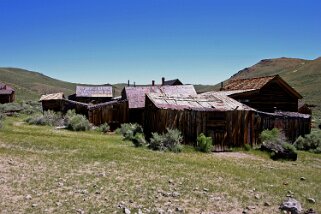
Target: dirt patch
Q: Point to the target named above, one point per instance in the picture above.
(236, 155)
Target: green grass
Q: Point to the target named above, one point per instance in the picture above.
(65, 171)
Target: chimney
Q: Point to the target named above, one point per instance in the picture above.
(128, 83)
(221, 89)
(163, 80)
(153, 82)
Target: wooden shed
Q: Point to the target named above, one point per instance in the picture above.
(228, 122)
(7, 94)
(92, 94)
(136, 98)
(268, 94)
(114, 113)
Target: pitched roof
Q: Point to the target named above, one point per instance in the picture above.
(94, 91)
(173, 82)
(136, 95)
(55, 96)
(5, 89)
(257, 83)
(245, 84)
(198, 102)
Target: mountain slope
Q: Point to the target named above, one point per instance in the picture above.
(30, 85)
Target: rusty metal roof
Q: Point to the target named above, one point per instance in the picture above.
(136, 95)
(198, 102)
(246, 84)
(94, 91)
(55, 96)
(226, 93)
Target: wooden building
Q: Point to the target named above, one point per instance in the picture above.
(92, 94)
(114, 113)
(228, 122)
(57, 102)
(268, 94)
(7, 94)
(136, 98)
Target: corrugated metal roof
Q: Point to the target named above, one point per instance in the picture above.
(94, 91)
(245, 84)
(198, 102)
(55, 96)
(136, 95)
(226, 93)
(173, 82)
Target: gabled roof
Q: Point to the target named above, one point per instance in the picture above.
(198, 103)
(173, 82)
(5, 89)
(55, 96)
(94, 91)
(136, 95)
(257, 83)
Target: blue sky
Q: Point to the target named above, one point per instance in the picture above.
(197, 41)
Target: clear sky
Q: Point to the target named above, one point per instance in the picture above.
(197, 41)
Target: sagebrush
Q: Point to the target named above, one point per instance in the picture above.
(204, 144)
(171, 141)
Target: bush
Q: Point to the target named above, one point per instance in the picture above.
(204, 144)
(104, 128)
(170, 141)
(77, 123)
(49, 118)
(270, 135)
(247, 147)
(10, 107)
(139, 140)
(30, 107)
(311, 142)
(129, 130)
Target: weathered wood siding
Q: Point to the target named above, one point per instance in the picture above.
(269, 97)
(7, 98)
(227, 128)
(113, 113)
(63, 106)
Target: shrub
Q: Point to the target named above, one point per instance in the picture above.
(10, 107)
(247, 147)
(270, 135)
(129, 130)
(139, 140)
(30, 107)
(2, 116)
(311, 142)
(104, 128)
(49, 118)
(170, 141)
(77, 123)
(204, 144)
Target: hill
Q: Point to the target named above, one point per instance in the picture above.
(29, 85)
(303, 75)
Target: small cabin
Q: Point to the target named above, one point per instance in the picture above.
(7, 94)
(52, 102)
(92, 94)
(135, 95)
(268, 94)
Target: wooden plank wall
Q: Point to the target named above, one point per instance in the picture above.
(114, 113)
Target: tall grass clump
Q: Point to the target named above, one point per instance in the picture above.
(129, 130)
(171, 141)
(76, 122)
(311, 143)
(204, 144)
(104, 128)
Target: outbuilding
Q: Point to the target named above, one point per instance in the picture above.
(7, 94)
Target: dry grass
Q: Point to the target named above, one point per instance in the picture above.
(57, 171)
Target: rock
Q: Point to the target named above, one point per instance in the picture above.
(257, 196)
(311, 200)
(160, 211)
(80, 211)
(290, 192)
(251, 207)
(126, 210)
(58, 204)
(121, 204)
(278, 151)
(179, 209)
(205, 189)
(291, 205)
(28, 197)
(170, 181)
(60, 184)
(267, 204)
(34, 205)
(244, 212)
(176, 194)
(302, 178)
(310, 211)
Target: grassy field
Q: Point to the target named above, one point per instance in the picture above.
(59, 171)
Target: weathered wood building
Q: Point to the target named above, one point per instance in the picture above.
(92, 94)
(228, 122)
(268, 94)
(7, 94)
(136, 98)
